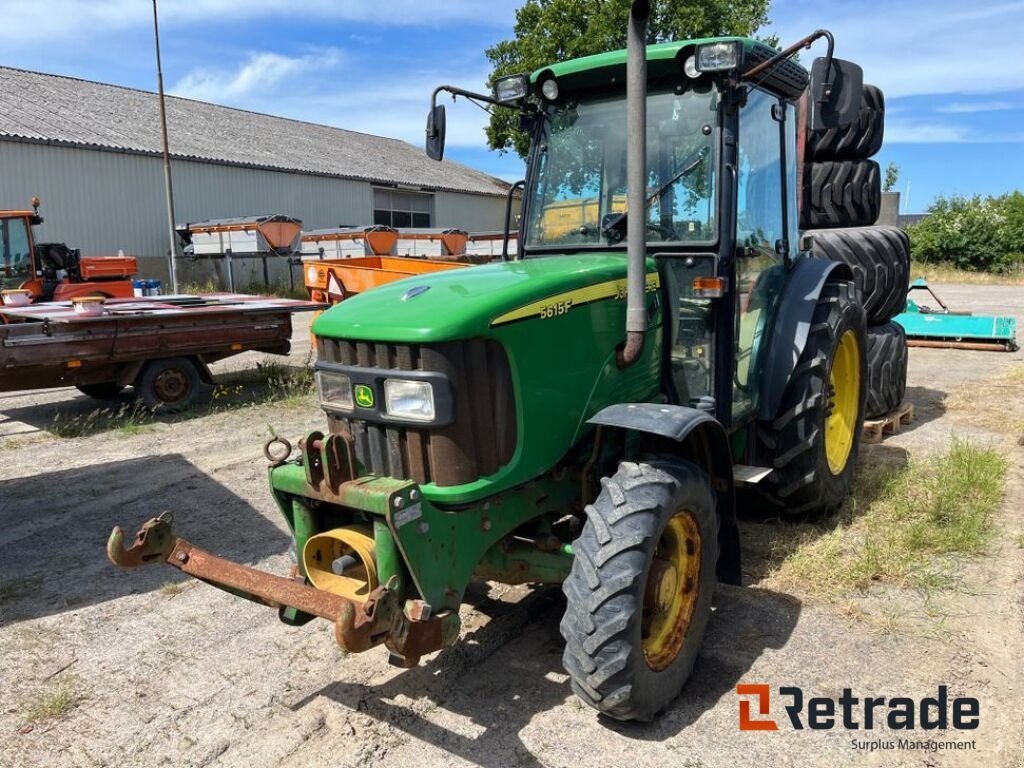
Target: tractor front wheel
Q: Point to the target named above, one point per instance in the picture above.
(639, 593)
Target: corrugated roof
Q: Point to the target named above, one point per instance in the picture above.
(64, 110)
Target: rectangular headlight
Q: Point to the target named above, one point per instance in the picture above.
(335, 390)
(413, 400)
(511, 88)
(717, 57)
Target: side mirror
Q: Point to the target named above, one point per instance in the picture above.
(435, 132)
(835, 92)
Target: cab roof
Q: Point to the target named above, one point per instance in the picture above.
(787, 77)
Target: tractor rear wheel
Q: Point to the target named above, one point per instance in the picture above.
(813, 441)
(107, 390)
(840, 193)
(639, 593)
(887, 369)
(880, 260)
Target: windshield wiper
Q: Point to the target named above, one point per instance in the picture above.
(615, 229)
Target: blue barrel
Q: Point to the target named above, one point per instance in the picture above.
(154, 288)
(139, 287)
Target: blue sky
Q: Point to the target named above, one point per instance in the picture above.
(952, 72)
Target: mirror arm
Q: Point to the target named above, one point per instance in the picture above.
(454, 91)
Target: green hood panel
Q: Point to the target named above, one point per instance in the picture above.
(461, 303)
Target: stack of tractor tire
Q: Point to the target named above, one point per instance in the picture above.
(840, 202)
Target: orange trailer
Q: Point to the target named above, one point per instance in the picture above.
(332, 280)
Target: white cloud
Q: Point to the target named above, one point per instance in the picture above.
(28, 22)
(902, 131)
(259, 72)
(973, 107)
(918, 47)
(342, 90)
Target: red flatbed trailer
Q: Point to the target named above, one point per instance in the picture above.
(161, 345)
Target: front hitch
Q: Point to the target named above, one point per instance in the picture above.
(358, 626)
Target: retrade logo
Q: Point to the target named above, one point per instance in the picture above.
(762, 694)
(855, 713)
(364, 396)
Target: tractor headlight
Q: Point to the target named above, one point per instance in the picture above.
(335, 390)
(550, 89)
(718, 57)
(412, 400)
(511, 88)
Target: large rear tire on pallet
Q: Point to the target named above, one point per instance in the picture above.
(813, 441)
(880, 259)
(171, 385)
(857, 141)
(840, 193)
(887, 369)
(639, 593)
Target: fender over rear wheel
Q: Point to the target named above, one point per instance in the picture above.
(639, 593)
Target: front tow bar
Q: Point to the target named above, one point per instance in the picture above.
(357, 626)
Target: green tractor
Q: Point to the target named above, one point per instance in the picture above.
(585, 413)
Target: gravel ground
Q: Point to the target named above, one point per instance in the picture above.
(157, 669)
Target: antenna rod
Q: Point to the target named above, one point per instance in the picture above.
(172, 239)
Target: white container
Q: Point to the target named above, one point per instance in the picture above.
(88, 306)
(16, 297)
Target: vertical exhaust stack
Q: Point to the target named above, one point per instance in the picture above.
(636, 178)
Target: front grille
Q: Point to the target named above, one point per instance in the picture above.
(480, 440)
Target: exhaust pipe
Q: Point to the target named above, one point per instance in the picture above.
(636, 182)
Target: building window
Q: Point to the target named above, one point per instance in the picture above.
(398, 209)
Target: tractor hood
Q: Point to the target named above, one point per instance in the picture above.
(464, 303)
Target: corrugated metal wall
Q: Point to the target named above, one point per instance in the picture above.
(104, 201)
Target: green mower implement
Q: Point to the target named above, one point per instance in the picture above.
(943, 327)
(574, 416)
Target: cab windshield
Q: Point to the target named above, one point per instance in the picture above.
(15, 259)
(581, 171)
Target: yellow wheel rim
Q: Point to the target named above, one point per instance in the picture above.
(843, 399)
(670, 595)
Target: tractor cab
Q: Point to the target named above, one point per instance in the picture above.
(53, 271)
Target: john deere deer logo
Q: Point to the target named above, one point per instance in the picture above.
(364, 396)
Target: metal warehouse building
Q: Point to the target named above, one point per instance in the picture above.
(92, 152)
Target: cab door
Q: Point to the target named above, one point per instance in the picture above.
(765, 230)
(15, 253)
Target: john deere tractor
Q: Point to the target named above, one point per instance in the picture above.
(584, 414)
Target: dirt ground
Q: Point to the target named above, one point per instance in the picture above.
(155, 669)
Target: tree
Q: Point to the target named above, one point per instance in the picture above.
(972, 233)
(892, 175)
(547, 31)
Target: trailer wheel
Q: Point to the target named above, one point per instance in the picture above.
(880, 260)
(857, 141)
(107, 390)
(813, 441)
(639, 593)
(887, 369)
(171, 385)
(841, 193)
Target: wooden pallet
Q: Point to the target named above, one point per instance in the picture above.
(876, 429)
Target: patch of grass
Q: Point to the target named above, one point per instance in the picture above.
(920, 518)
(996, 403)
(941, 272)
(172, 588)
(58, 699)
(128, 419)
(286, 384)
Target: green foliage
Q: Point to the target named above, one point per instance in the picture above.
(548, 31)
(972, 233)
(892, 175)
